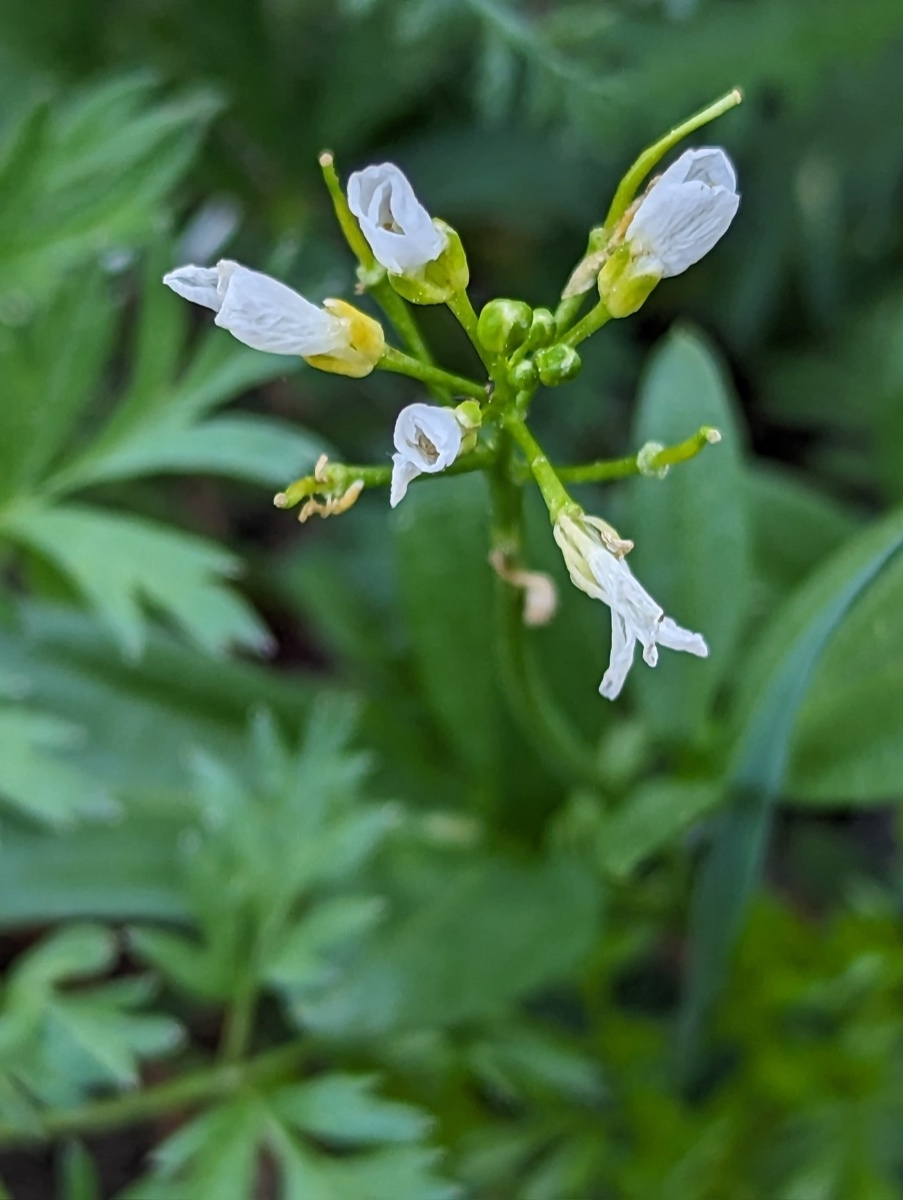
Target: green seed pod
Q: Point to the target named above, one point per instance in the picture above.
(557, 364)
(504, 325)
(542, 330)
(523, 375)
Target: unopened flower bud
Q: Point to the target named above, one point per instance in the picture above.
(267, 315)
(542, 328)
(557, 364)
(523, 375)
(504, 325)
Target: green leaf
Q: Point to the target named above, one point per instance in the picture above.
(690, 529)
(118, 562)
(258, 449)
(651, 819)
(767, 709)
(442, 539)
(38, 776)
(495, 931)
(343, 1109)
(78, 1175)
(90, 173)
(847, 746)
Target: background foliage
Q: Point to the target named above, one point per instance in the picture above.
(291, 907)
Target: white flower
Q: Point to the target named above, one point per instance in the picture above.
(428, 439)
(260, 311)
(594, 555)
(684, 212)
(267, 315)
(397, 226)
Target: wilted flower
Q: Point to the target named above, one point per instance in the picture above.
(428, 439)
(594, 555)
(398, 228)
(684, 212)
(267, 315)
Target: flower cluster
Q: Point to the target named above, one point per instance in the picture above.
(407, 256)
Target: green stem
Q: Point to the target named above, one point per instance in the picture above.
(463, 310)
(553, 491)
(630, 184)
(618, 468)
(403, 364)
(528, 700)
(594, 319)
(398, 312)
(239, 1021)
(339, 476)
(188, 1091)
(360, 247)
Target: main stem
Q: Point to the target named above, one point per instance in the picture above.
(188, 1091)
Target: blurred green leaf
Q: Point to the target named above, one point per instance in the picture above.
(78, 1175)
(118, 561)
(38, 778)
(495, 931)
(766, 713)
(691, 531)
(442, 539)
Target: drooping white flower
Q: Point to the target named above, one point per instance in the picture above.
(684, 212)
(427, 440)
(267, 315)
(594, 555)
(398, 228)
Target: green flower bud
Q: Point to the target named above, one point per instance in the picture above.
(469, 414)
(504, 325)
(542, 330)
(557, 364)
(437, 281)
(522, 376)
(623, 287)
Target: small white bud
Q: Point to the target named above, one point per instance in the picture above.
(428, 439)
(684, 212)
(397, 227)
(594, 556)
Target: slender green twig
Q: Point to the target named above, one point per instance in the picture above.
(553, 491)
(403, 364)
(463, 310)
(619, 468)
(594, 319)
(528, 699)
(188, 1091)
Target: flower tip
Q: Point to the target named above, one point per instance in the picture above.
(737, 95)
(712, 435)
(326, 158)
(280, 500)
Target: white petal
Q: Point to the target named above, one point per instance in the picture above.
(267, 315)
(197, 284)
(397, 227)
(686, 211)
(428, 436)
(621, 660)
(675, 637)
(706, 163)
(403, 471)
